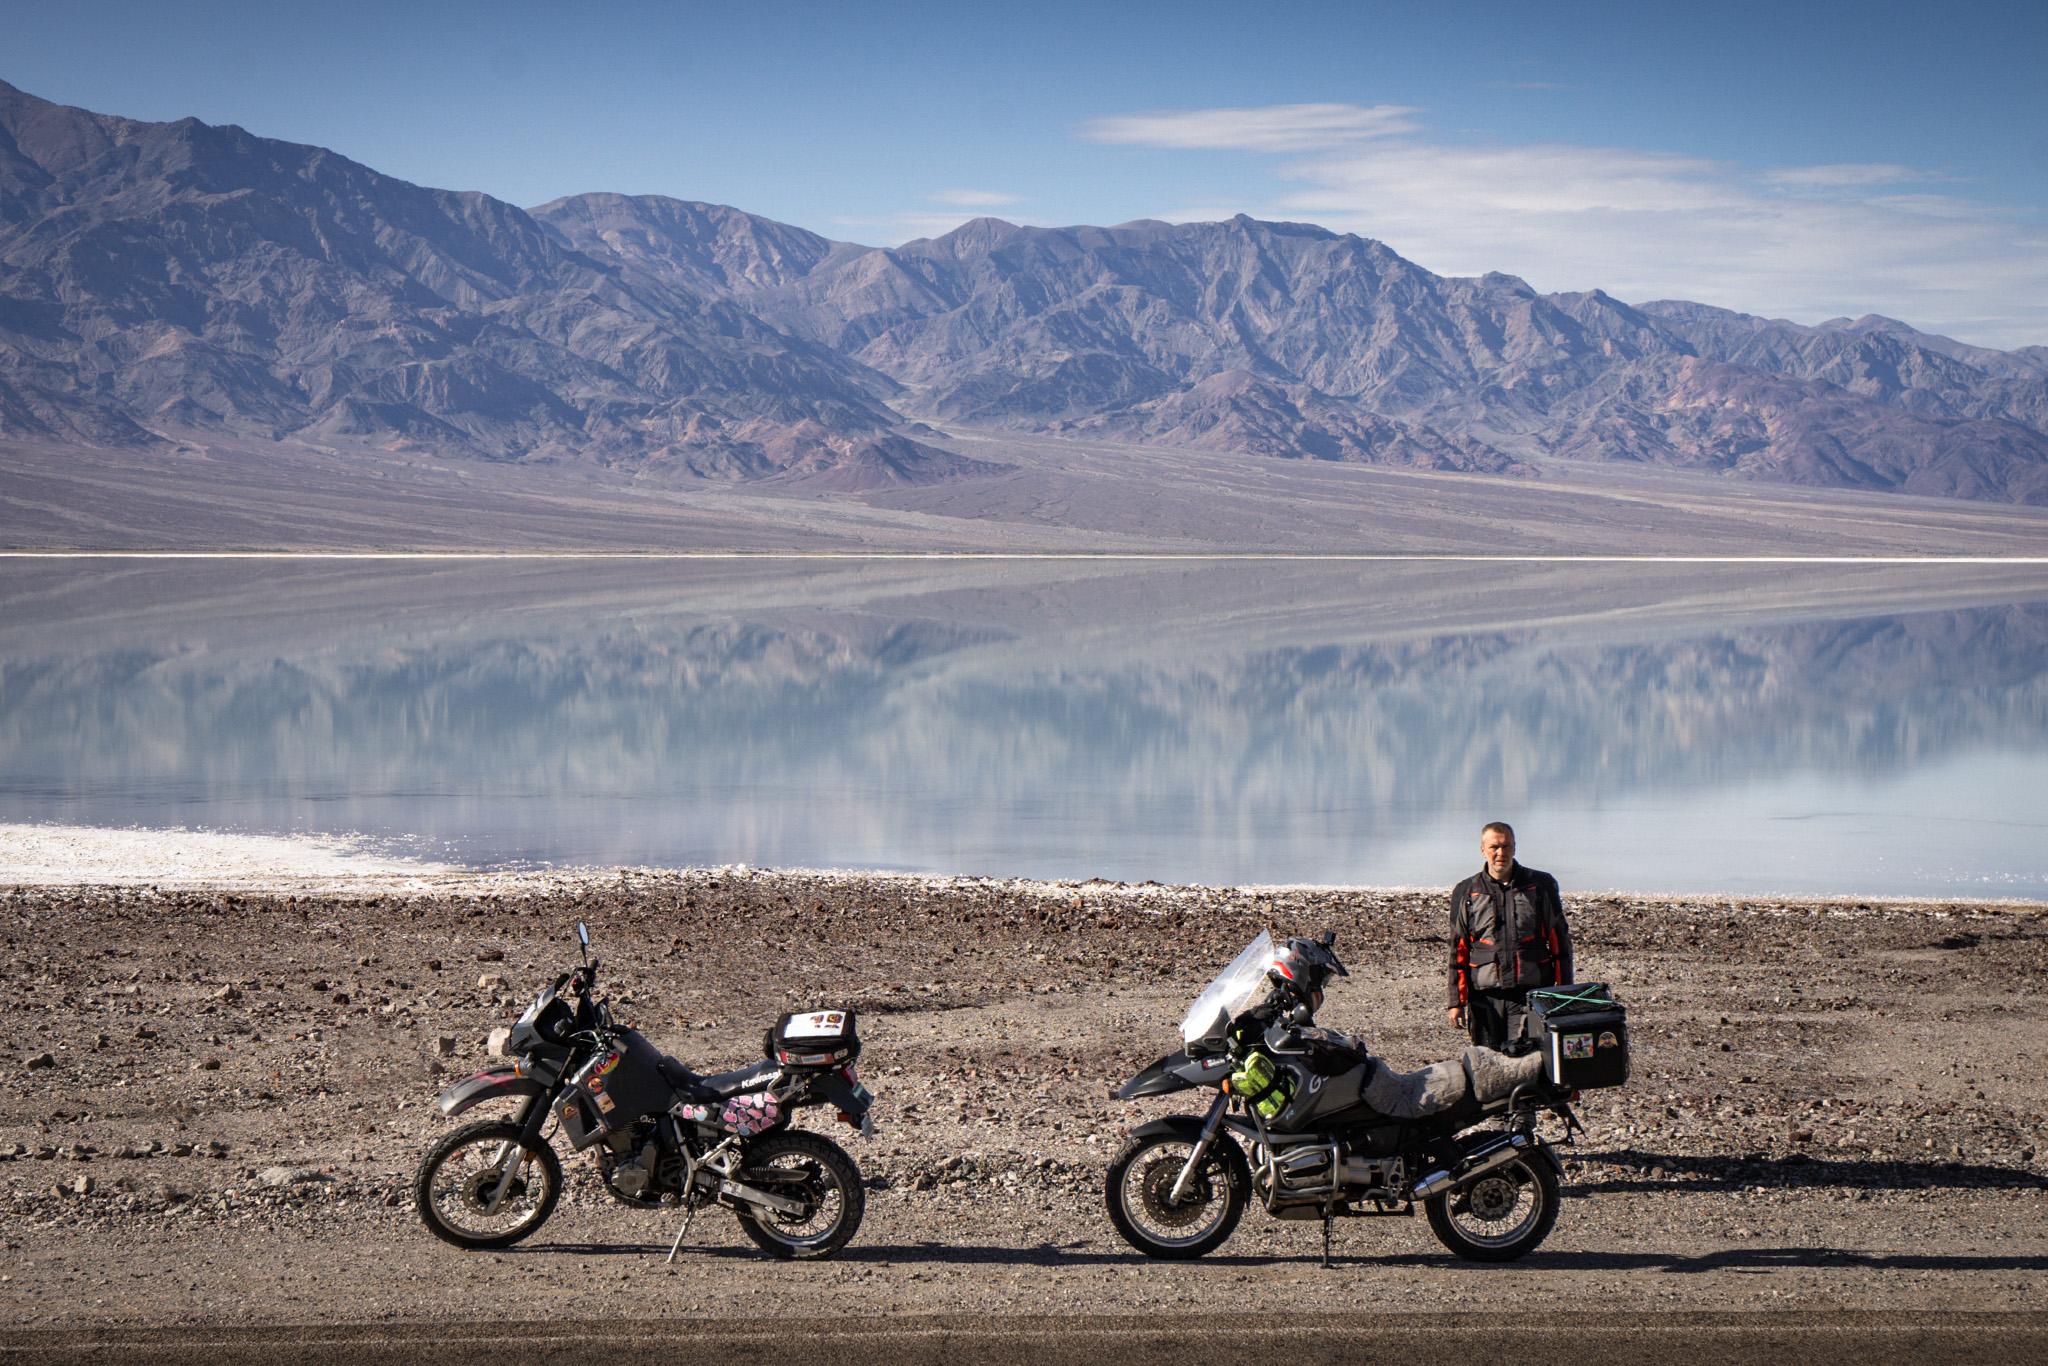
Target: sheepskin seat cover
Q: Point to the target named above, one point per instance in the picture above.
(1481, 1073)
(1494, 1076)
(1411, 1095)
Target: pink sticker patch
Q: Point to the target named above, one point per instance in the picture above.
(750, 1114)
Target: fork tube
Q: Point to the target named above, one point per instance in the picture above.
(531, 1121)
(535, 1116)
(1194, 1162)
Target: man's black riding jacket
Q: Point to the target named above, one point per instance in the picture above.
(1507, 937)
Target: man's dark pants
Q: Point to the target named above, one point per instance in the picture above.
(1498, 1020)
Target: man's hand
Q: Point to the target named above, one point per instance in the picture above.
(1457, 1016)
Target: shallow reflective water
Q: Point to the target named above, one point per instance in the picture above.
(1676, 727)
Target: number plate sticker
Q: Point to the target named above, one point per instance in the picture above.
(818, 1024)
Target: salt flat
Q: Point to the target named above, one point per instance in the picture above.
(1059, 495)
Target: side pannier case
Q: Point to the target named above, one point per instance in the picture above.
(1583, 1032)
(813, 1038)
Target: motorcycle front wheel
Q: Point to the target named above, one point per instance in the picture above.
(1499, 1217)
(814, 1171)
(487, 1186)
(1142, 1207)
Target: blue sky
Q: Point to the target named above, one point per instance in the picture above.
(1796, 159)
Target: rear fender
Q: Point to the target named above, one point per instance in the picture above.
(1546, 1155)
(493, 1083)
(851, 1101)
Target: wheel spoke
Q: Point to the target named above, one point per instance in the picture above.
(1499, 1210)
(1147, 1196)
(805, 1169)
(487, 1187)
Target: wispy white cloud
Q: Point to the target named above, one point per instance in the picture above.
(1528, 85)
(1844, 175)
(1806, 242)
(1274, 128)
(973, 199)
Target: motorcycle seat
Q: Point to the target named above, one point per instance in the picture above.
(739, 1081)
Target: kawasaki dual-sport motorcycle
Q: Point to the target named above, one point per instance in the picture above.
(1331, 1130)
(661, 1134)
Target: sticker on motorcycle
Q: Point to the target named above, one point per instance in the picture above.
(818, 1024)
(1578, 1045)
(1608, 1039)
(753, 1113)
(604, 1102)
(608, 1063)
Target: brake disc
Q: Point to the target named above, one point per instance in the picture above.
(1157, 1191)
(1492, 1199)
(477, 1190)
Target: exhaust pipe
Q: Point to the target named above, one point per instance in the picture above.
(1475, 1166)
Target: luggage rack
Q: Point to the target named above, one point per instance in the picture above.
(1532, 1098)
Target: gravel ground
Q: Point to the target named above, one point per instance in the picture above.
(215, 1097)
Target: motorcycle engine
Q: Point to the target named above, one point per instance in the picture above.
(630, 1161)
(1302, 1173)
(1373, 1174)
(1313, 1172)
(632, 1179)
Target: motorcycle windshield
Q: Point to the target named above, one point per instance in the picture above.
(1232, 992)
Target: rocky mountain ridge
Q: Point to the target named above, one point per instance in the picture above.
(167, 278)
(159, 279)
(1288, 339)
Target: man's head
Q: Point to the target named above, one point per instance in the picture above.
(1497, 847)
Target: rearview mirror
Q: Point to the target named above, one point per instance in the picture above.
(583, 938)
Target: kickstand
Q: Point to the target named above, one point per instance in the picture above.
(1328, 1217)
(688, 1215)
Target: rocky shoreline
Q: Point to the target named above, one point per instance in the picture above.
(227, 1065)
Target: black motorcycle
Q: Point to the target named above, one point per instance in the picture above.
(1334, 1132)
(662, 1135)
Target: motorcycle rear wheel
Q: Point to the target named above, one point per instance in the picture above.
(1140, 1190)
(812, 1168)
(1501, 1216)
(459, 1175)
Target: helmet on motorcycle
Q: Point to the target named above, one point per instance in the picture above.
(1300, 967)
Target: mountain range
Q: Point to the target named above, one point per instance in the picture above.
(161, 282)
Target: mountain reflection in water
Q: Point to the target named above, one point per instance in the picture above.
(1886, 753)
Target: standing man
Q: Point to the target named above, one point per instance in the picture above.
(1508, 934)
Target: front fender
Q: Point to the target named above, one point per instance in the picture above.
(1156, 1080)
(493, 1083)
(1188, 1127)
(1174, 1072)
